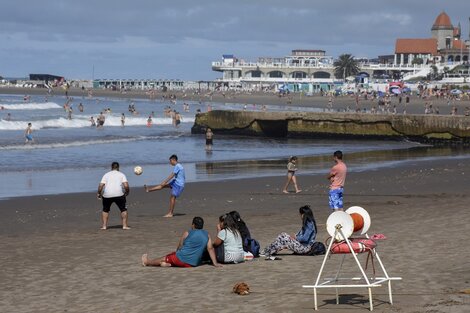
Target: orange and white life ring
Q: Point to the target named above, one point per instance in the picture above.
(359, 245)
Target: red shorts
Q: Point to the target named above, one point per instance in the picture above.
(174, 261)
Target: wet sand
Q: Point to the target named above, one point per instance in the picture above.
(55, 259)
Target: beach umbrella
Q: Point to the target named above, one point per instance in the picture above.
(396, 91)
(455, 92)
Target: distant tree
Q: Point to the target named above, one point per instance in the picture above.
(345, 66)
(417, 61)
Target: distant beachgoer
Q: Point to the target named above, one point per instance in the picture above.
(123, 119)
(92, 121)
(114, 188)
(190, 251)
(175, 182)
(101, 119)
(178, 119)
(8, 118)
(69, 113)
(330, 103)
(149, 121)
(291, 169)
(337, 177)
(228, 243)
(28, 134)
(80, 107)
(209, 135)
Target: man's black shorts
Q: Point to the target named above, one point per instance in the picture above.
(120, 202)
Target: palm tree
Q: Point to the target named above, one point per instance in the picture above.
(345, 66)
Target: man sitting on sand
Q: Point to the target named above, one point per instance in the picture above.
(190, 250)
(175, 181)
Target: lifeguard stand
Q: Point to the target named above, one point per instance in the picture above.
(341, 226)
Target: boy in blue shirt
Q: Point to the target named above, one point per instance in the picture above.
(175, 181)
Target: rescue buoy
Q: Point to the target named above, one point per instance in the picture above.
(359, 245)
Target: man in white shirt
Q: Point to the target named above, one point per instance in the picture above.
(114, 188)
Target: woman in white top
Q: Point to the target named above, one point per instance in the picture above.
(228, 243)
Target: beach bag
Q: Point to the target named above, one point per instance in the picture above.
(252, 246)
(318, 248)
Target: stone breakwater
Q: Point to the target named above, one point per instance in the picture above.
(434, 129)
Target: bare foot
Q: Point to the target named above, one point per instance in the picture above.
(298, 191)
(103, 228)
(168, 215)
(145, 259)
(126, 227)
(285, 191)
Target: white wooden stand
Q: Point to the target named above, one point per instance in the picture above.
(355, 282)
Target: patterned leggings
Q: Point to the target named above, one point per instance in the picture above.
(285, 241)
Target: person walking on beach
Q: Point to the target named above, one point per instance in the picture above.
(190, 251)
(291, 169)
(114, 188)
(337, 177)
(175, 182)
(28, 134)
(209, 135)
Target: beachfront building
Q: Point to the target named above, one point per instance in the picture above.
(304, 70)
(444, 46)
(138, 84)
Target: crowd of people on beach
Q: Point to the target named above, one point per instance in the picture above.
(233, 243)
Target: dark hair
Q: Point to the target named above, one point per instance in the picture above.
(242, 228)
(292, 158)
(174, 157)
(229, 223)
(198, 222)
(115, 165)
(338, 154)
(307, 216)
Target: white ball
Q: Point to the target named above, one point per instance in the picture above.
(138, 170)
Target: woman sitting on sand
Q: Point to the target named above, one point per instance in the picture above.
(228, 244)
(302, 242)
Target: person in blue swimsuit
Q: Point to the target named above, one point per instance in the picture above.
(175, 182)
(28, 134)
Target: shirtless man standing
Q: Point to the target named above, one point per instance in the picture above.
(28, 134)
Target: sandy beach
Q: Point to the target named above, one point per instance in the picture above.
(55, 258)
(416, 105)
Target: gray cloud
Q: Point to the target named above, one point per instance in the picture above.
(179, 39)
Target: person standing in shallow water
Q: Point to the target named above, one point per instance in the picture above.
(28, 134)
(291, 169)
(337, 177)
(209, 135)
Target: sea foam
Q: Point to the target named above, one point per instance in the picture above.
(31, 106)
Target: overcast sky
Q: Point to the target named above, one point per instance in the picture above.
(179, 39)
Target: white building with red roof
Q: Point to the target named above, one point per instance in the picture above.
(445, 45)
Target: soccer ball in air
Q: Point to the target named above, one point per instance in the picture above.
(138, 170)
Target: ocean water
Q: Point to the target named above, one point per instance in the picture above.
(71, 156)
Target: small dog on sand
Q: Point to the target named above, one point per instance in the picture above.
(241, 288)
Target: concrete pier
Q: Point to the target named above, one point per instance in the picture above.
(434, 129)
